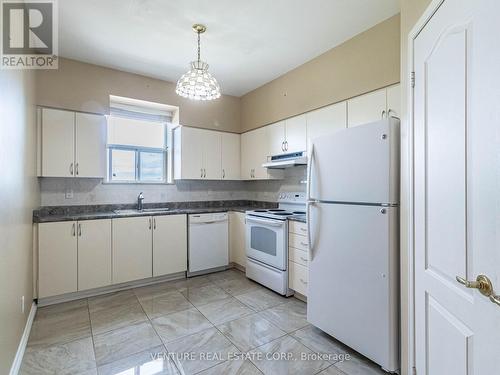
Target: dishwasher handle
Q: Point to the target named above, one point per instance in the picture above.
(212, 221)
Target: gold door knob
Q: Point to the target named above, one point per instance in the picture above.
(482, 283)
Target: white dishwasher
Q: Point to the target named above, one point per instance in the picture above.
(208, 243)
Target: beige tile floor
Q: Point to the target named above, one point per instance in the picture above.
(222, 323)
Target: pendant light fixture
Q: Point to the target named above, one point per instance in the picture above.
(198, 83)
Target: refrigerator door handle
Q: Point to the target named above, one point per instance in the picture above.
(308, 221)
(309, 173)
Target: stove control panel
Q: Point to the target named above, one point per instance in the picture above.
(292, 197)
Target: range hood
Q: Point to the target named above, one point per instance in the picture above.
(286, 160)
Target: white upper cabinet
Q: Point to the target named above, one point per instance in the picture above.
(72, 144)
(287, 136)
(57, 143)
(230, 146)
(212, 155)
(394, 101)
(90, 160)
(326, 121)
(276, 138)
(296, 134)
(366, 108)
(188, 153)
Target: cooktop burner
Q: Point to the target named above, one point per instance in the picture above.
(276, 210)
(299, 212)
(284, 213)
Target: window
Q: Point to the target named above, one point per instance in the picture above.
(138, 134)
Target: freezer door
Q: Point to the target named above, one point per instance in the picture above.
(354, 278)
(359, 164)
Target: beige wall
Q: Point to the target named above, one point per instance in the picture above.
(364, 63)
(411, 10)
(80, 86)
(20, 195)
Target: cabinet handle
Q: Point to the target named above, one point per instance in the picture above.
(383, 113)
(303, 259)
(303, 282)
(71, 169)
(73, 230)
(149, 223)
(154, 223)
(201, 172)
(79, 229)
(303, 229)
(283, 146)
(389, 113)
(76, 168)
(204, 173)
(303, 243)
(286, 145)
(223, 173)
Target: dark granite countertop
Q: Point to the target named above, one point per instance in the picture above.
(48, 214)
(300, 218)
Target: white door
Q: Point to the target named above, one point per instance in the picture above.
(57, 258)
(94, 253)
(58, 143)
(169, 244)
(326, 121)
(211, 155)
(296, 135)
(366, 108)
(457, 174)
(354, 278)
(261, 149)
(359, 164)
(276, 138)
(132, 249)
(230, 153)
(191, 154)
(90, 145)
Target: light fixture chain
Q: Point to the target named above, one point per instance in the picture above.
(198, 46)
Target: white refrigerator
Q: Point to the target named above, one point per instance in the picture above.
(352, 214)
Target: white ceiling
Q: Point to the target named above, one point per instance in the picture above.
(247, 44)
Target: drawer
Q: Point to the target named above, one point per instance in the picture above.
(298, 256)
(298, 241)
(298, 277)
(297, 227)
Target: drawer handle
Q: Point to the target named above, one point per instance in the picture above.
(304, 259)
(303, 282)
(303, 229)
(303, 243)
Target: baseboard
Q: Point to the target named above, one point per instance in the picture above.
(239, 267)
(18, 359)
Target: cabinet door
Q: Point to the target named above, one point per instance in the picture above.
(394, 101)
(366, 108)
(94, 253)
(132, 249)
(169, 244)
(261, 151)
(230, 146)
(296, 134)
(237, 252)
(58, 143)
(276, 138)
(326, 121)
(191, 153)
(212, 155)
(90, 149)
(57, 258)
(246, 156)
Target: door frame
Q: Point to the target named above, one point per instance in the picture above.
(407, 202)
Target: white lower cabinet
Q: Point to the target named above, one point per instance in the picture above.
(298, 257)
(169, 244)
(57, 258)
(132, 249)
(237, 253)
(94, 253)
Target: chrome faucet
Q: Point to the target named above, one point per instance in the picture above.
(140, 198)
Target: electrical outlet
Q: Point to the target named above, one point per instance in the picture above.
(22, 304)
(69, 194)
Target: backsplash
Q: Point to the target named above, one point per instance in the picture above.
(93, 191)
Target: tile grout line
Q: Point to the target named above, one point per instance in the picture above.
(92, 335)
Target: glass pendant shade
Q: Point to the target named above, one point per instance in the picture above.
(198, 83)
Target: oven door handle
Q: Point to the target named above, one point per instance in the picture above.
(272, 223)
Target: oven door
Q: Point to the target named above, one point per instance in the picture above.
(266, 241)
